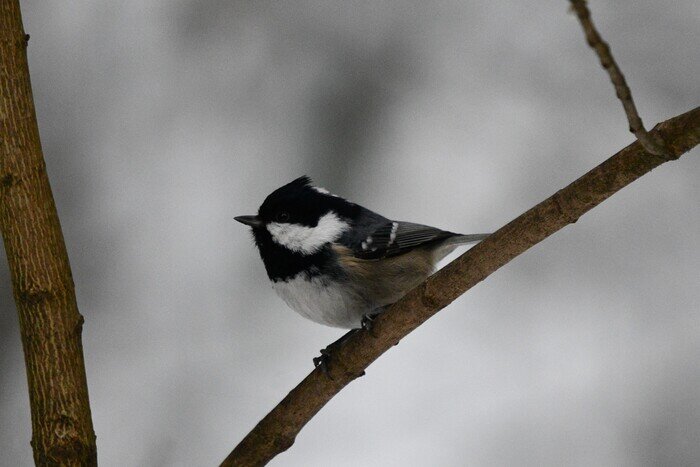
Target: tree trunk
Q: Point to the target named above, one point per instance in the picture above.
(41, 277)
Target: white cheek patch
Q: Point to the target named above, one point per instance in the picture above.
(308, 240)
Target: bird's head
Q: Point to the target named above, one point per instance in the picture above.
(300, 218)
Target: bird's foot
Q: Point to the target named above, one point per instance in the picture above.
(368, 321)
(323, 360)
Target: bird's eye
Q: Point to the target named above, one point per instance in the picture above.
(282, 217)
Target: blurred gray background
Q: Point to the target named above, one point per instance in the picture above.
(161, 121)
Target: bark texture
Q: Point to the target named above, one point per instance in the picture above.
(276, 432)
(41, 277)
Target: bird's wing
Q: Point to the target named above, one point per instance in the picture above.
(394, 238)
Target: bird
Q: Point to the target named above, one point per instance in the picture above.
(338, 263)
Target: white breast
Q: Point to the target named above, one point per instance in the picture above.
(322, 300)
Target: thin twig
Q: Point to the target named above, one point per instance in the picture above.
(276, 432)
(651, 144)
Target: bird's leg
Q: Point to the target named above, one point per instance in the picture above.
(368, 321)
(323, 360)
(365, 324)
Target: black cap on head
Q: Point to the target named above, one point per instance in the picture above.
(297, 202)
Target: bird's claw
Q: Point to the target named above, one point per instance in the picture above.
(322, 361)
(367, 322)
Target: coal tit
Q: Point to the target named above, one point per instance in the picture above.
(336, 262)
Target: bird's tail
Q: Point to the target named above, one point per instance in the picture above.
(464, 239)
(449, 245)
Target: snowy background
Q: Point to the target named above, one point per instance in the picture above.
(161, 120)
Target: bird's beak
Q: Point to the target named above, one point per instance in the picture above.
(253, 221)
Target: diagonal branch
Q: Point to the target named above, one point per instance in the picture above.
(653, 144)
(276, 432)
